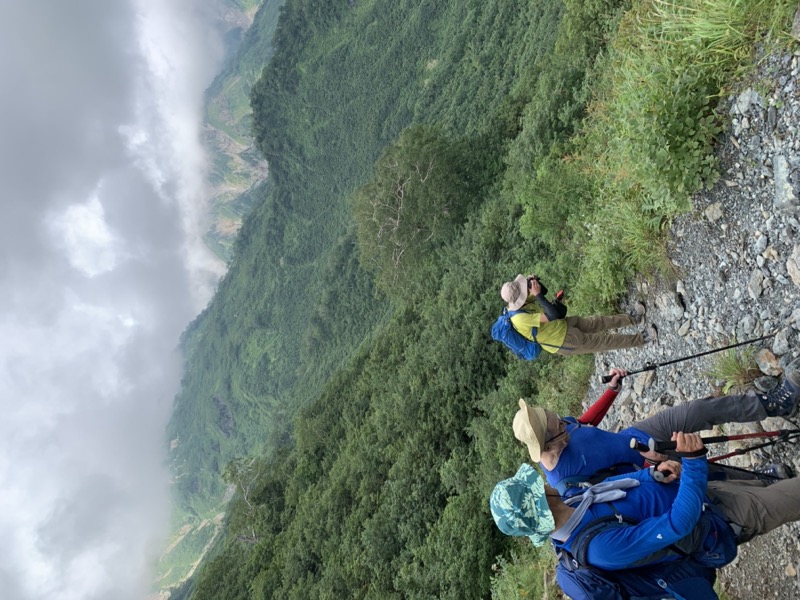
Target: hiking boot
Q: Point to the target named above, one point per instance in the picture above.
(636, 312)
(775, 471)
(783, 401)
(650, 334)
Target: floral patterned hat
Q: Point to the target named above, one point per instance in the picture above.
(519, 506)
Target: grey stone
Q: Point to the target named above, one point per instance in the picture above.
(746, 99)
(643, 381)
(684, 329)
(760, 244)
(785, 197)
(793, 265)
(768, 363)
(745, 326)
(669, 305)
(754, 285)
(780, 345)
(714, 212)
(766, 383)
(772, 118)
(625, 397)
(786, 360)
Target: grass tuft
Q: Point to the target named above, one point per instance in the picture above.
(736, 369)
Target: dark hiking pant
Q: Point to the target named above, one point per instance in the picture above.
(698, 415)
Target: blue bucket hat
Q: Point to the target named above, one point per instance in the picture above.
(519, 506)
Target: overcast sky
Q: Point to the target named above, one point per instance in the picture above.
(101, 268)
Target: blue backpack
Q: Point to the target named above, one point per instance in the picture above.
(682, 579)
(503, 331)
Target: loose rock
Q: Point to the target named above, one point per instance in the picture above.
(768, 363)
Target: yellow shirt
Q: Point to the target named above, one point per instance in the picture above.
(550, 335)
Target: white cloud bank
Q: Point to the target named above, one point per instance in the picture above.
(101, 268)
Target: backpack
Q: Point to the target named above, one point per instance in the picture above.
(503, 331)
(683, 579)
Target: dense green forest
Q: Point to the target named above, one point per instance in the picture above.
(343, 383)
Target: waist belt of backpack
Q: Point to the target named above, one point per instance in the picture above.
(735, 527)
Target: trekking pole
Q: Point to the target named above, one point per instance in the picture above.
(653, 367)
(656, 446)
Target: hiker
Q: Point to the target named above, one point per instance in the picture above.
(575, 452)
(632, 520)
(539, 320)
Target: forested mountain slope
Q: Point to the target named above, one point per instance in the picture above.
(420, 154)
(236, 166)
(412, 366)
(296, 303)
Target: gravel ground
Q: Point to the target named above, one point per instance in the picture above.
(736, 277)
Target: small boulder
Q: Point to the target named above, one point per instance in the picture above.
(754, 286)
(780, 344)
(670, 306)
(643, 381)
(714, 212)
(793, 265)
(768, 363)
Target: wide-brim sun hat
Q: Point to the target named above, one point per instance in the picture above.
(530, 428)
(515, 293)
(519, 506)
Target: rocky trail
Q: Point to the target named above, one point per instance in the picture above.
(736, 277)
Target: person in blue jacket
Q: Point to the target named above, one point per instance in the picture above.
(705, 520)
(574, 452)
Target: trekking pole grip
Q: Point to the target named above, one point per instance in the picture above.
(608, 378)
(637, 445)
(656, 446)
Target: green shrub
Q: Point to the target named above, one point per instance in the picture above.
(521, 578)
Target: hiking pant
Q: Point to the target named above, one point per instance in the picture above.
(698, 415)
(585, 335)
(755, 506)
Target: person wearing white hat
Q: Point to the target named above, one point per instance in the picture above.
(538, 321)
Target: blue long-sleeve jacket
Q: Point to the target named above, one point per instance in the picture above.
(666, 514)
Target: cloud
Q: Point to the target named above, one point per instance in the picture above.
(102, 184)
(88, 241)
